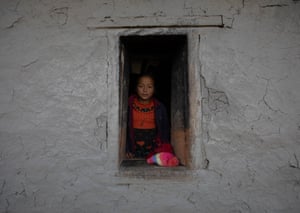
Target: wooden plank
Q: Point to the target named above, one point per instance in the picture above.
(155, 22)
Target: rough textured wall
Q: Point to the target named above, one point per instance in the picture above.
(58, 104)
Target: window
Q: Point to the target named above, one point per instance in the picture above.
(166, 55)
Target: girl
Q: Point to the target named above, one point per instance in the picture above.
(148, 126)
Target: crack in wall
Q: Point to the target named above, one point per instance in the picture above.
(213, 101)
(27, 66)
(60, 15)
(101, 131)
(237, 13)
(191, 10)
(274, 5)
(12, 25)
(7, 205)
(295, 164)
(15, 9)
(192, 200)
(217, 100)
(264, 101)
(2, 187)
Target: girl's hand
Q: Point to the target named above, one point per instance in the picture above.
(129, 155)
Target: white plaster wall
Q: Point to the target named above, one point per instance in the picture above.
(58, 104)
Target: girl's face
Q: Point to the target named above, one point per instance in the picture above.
(145, 89)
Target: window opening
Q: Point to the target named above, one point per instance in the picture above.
(166, 57)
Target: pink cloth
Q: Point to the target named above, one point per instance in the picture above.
(163, 159)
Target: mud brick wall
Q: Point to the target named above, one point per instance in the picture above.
(59, 106)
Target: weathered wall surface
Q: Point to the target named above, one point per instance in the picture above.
(59, 107)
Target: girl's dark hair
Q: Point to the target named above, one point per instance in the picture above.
(146, 74)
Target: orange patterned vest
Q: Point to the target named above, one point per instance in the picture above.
(143, 115)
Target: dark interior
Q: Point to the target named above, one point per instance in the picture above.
(165, 56)
(156, 55)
